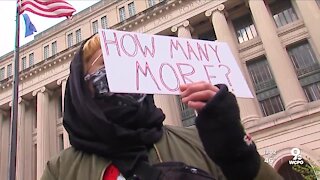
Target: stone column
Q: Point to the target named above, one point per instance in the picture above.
(24, 142)
(279, 61)
(4, 135)
(44, 141)
(248, 107)
(21, 140)
(183, 29)
(63, 83)
(311, 17)
(28, 139)
(169, 103)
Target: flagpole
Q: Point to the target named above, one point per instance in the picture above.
(14, 110)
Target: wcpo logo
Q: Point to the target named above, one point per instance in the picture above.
(297, 159)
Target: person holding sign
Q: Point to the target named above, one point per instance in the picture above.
(121, 135)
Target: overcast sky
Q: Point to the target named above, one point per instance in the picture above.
(7, 27)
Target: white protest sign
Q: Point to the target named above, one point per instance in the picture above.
(152, 64)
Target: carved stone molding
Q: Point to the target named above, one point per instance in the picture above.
(43, 65)
(220, 8)
(24, 101)
(185, 24)
(42, 90)
(59, 81)
(20, 100)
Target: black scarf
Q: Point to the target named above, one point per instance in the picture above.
(124, 137)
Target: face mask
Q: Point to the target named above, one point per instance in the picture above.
(101, 87)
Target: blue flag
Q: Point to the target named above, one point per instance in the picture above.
(30, 29)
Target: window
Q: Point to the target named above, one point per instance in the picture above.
(70, 40)
(24, 63)
(31, 59)
(265, 87)
(283, 12)
(303, 59)
(104, 23)
(307, 69)
(54, 48)
(2, 73)
(132, 9)
(122, 14)
(271, 105)
(94, 27)
(46, 52)
(312, 91)
(244, 28)
(9, 70)
(187, 114)
(151, 3)
(78, 36)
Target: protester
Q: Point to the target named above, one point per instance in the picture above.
(121, 136)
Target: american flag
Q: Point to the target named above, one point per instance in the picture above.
(47, 8)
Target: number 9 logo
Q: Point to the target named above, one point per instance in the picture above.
(295, 152)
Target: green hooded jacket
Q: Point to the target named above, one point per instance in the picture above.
(177, 144)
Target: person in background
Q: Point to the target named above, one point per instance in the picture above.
(122, 136)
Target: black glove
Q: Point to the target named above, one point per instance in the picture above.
(224, 139)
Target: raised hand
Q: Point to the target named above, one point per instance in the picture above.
(196, 95)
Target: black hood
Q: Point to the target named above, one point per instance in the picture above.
(121, 134)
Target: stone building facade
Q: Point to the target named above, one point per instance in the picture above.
(276, 44)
